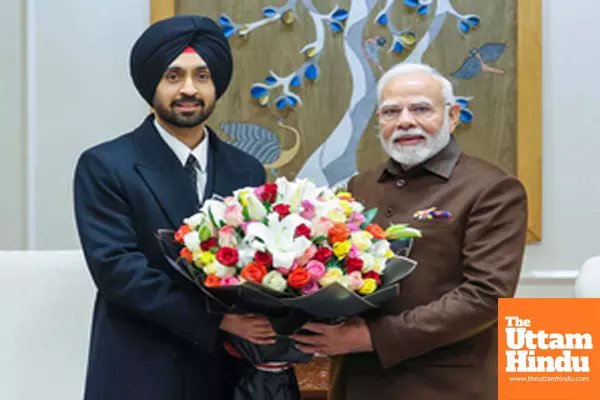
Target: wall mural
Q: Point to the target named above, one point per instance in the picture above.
(364, 37)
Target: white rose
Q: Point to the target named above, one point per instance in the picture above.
(222, 271)
(192, 241)
(368, 262)
(275, 281)
(195, 220)
(381, 248)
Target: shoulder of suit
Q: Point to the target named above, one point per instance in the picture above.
(115, 150)
(479, 173)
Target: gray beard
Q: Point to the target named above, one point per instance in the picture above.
(416, 154)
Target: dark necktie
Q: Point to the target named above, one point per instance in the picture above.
(191, 166)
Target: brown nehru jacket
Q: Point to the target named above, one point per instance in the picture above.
(438, 339)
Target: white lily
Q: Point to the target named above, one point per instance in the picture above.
(217, 209)
(293, 193)
(279, 239)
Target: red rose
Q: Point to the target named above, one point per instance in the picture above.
(264, 258)
(299, 278)
(228, 256)
(373, 275)
(181, 232)
(186, 254)
(303, 230)
(268, 193)
(323, 255)
(209, 244)
(282, 209)
(353, 264)
(254, 272)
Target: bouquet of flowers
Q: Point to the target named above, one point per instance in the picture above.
(293, 252)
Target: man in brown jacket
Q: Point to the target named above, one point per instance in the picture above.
(438, 339)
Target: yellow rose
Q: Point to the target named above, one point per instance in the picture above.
(346, 206)
(336, 216)
(368, 286)
(344, 195)
(340, 249)
(207, 257)
(362, 240)
(331, 276)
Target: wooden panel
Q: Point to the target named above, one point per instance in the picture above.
(507, 96)
(529, 16)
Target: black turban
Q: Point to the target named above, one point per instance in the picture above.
(165, 40)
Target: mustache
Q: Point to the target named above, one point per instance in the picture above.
(194, 100)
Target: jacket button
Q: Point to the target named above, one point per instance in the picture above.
(401, 183)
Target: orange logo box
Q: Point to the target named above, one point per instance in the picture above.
(549, 349)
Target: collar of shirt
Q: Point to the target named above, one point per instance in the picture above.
(181, 150)
(442, 164)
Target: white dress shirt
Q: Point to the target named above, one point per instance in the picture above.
(182, 151)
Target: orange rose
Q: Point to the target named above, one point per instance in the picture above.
(338, 233)
(254, 272)
(212, 281)
(181, 232)
(376, 231)
(299, 278)
(186, 254)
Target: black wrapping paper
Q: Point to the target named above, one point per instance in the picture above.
(287, 314)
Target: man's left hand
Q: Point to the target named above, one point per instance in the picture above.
(352, 336)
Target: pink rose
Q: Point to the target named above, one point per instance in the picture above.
(229, 201)
(355, 218)
(234, 216)
(316, 269)
(308, 254)
(283, 271)
(308, 210)
(356, 280)
(322, 226)
(353, 253)
(229, 281)
(227, 236)
(353, 228)
(310, 287)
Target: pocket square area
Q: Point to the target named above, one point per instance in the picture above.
(431, 213)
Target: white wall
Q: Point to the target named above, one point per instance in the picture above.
(82, 94)
(13, 200)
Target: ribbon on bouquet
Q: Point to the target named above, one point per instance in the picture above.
(273, 366)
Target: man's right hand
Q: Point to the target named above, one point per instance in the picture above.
(254, 328)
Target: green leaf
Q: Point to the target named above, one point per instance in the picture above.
(246, 214)
(320, 239)
(205, 233)
(212, 219)
(369, 216)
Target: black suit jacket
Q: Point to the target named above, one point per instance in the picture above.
(152, 337)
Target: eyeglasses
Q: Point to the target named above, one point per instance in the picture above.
(419, 111)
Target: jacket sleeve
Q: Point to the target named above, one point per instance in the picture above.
(494, 242)
(120, 270)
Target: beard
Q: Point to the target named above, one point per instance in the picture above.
(415, 154)
(185, 119)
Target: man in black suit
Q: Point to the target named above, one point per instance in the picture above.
(152, 337)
